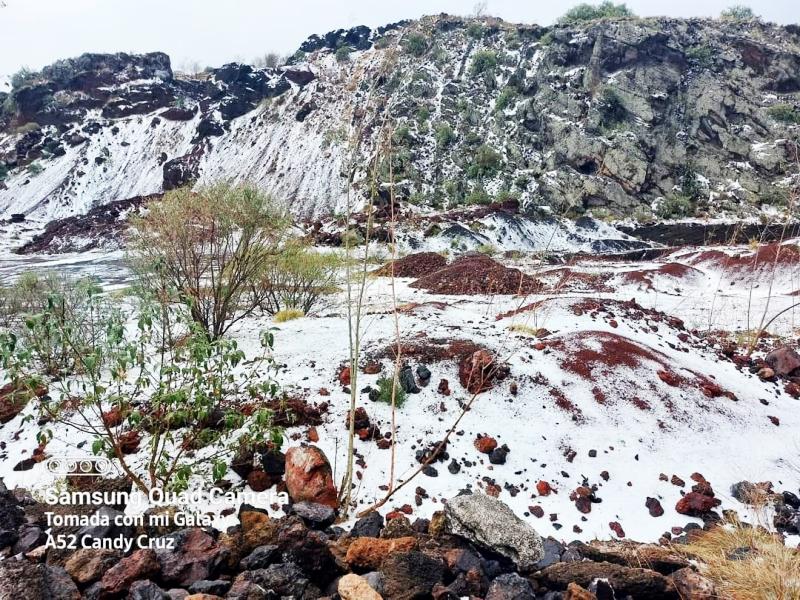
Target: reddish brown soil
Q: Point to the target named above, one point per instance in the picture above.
(767, 255)
(570, 280)
(413, 265)
(478, 274)
(598, 355)
(672, 269)
(429, 350)
(292, 412)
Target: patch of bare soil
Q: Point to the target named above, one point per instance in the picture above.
(413, 265)
(474, 274)
(567, 279)
(767, 255)
(645, 277)
(629, 371)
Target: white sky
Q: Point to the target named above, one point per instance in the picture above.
(34, 33)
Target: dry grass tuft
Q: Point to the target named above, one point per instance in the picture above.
(288, 314)
(747, 563)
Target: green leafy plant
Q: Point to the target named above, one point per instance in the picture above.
(4, 170)
(444, 135)
(298, 278)
(475, 30)
(703, 56)
(130, 393)
(505, 98)
(385, 387)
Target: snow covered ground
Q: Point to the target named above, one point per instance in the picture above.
(647, 396)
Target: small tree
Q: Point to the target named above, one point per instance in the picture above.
(738, 12)
(209, 248)
(588, 12)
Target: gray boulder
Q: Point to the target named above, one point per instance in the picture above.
(490, 523)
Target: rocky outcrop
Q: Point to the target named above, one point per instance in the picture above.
(616, 116)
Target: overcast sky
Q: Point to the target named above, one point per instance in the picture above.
(34, 33)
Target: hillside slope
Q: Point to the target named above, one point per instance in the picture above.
(611, 116)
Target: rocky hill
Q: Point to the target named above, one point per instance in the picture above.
(618, 117)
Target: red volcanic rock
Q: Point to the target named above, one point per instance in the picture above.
(142, 564)
(485, 444)
(792, 389)
(259, 481)
(677, 481)
(444, 387)
(617, 528)
(344, 376)
(372, 368)
(783, 360)
(695, 504)
(654, 507)
(669, 378)
(543, 488)
(309, 477)
(537, 511)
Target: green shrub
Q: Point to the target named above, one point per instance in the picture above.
(505, 98)
(690, 182)
(588, 12)
(675, 207)
(512, 40)
(3, 171)
(475, 30)
(423, 112)
(738, 12)
(415, 44)
(298, 278)
(784, 113)
(611, 107)
(485, 162)
(702, 56)
(343, 54)
(484, 61)
(35, 169)
(478, 196)
(402, 136)
(41, 307)
(382, 42)
(444, 135)
(775, 196)
(22, 78)
(385, 387)
(522, 182)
